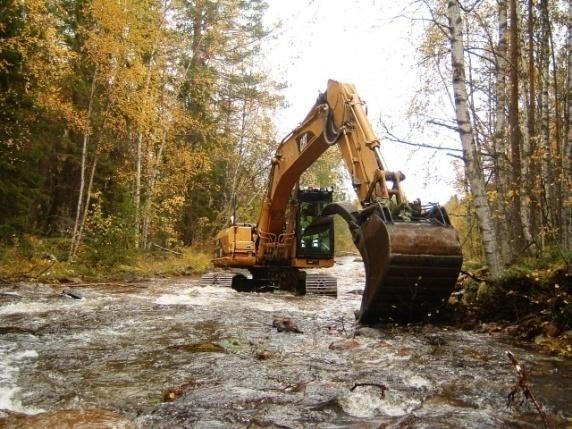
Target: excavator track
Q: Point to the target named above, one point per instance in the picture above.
(315, 284)
(217, 278)
(321, 284)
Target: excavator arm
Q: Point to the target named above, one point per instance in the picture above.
(338, 117)
(411, 253)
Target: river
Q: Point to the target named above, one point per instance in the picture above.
(169, 353)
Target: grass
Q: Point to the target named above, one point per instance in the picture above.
(45, 260)
(190, 262)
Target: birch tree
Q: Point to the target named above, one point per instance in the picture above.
(473, 170)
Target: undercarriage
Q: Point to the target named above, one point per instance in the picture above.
(269, 279)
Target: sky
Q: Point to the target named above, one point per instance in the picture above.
(366, 43)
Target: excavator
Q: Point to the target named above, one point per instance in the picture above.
(411, 253)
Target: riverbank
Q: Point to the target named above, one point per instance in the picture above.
(46, 260)
(531, 302)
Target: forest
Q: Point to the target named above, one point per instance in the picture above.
(128, 126)
(128, 123)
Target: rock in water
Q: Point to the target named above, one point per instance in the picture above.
(344, 345)
(9, 295)
(77, 419)
(70, 293)
(286, 324)
(551, 329)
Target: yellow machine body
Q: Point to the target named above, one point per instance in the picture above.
(411, 253)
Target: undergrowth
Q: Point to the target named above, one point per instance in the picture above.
(538, 288)
(45, 260)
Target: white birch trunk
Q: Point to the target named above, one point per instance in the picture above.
(86, 205)
(471, 157)
(137, 197)
(151, 193)
(138, 188)
(524, 188)
(73, 245)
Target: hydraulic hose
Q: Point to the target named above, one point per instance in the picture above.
(331, 135)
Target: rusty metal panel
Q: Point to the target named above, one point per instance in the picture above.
(411, 266)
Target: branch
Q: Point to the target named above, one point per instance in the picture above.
(471, 51)
(445, 29)
(523, 385)
(441, 124)
(396, 139)
(475, 277)
(469, 9)
(165, 249)
(457, 156)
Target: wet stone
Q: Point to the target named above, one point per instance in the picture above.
(9, 295)
(71, 293)
(344, 345)
(286, 324)
(365, 331)
(77, 419)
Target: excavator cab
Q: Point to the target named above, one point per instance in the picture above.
(320, 245)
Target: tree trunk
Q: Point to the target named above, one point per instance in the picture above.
(86, 206)
(470, 155)
(524, 184)
(515, 133)
(500, 158)
(137, 198)
(557, 188)
(73, 245)
(147, 210)
(568, 147)
(544, 149)
(534, 182)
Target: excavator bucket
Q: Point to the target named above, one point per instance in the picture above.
(411, 264)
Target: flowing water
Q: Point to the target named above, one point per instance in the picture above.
(168, 353)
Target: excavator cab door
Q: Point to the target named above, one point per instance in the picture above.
(319, 245)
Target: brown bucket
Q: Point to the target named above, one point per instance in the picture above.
(411, 266)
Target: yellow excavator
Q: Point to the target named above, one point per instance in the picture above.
(411, 253)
